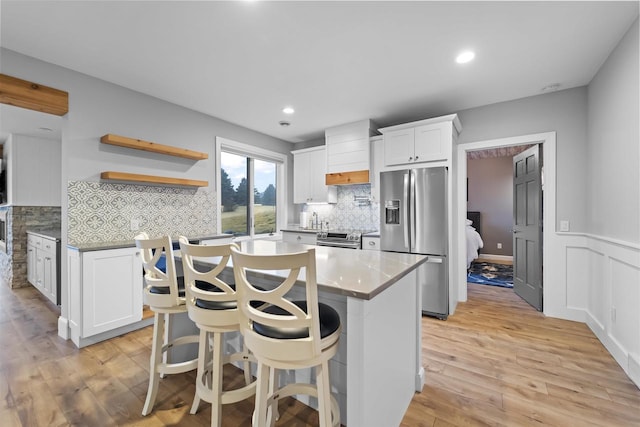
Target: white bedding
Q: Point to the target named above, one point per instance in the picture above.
(474, 242)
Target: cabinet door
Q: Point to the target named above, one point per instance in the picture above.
(31, 264)
(301, 190)
(399, 147)
(49, 276)
(111, 289)
(320, 192)
(430, 144)
(377, 165)
(39, 269)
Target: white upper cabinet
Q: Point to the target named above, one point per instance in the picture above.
(377, 165)
(348, 147)
(309, 169)
(422, 141)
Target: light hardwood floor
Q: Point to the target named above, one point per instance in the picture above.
(495, 362)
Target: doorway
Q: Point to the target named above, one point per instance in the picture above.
(548, 141)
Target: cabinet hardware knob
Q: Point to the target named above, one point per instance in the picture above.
(410, 158)
(372, 243)
(299, 238)
(416, 157)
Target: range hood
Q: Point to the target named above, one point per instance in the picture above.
(348, 153)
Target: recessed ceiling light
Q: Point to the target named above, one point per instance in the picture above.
(284, 123)
(465, 57)
(45, 129)
(288, 110)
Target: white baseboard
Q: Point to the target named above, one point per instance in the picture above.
(63, 328)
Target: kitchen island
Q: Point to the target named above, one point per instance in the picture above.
(378, 367)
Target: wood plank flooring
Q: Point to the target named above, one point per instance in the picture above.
(499, 362)
(495, 362)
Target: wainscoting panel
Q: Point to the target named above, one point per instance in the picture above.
(613, 298)
(598, 297)
(577, 277)
(625, 306)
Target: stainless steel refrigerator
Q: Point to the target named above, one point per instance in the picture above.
(413, 219)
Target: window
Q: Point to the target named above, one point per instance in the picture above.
(249, 178)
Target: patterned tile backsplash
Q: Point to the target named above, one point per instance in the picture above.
(349, 214)
(102, 212)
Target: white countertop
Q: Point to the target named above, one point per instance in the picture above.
(359, 274)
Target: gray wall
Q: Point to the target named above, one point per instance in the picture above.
(613, 177)
(564, 112)
(97, 107)
(491, 193)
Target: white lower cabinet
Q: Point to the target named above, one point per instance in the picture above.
(43, 266)
(105, 292)
(371, 243)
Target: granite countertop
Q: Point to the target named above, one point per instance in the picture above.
(47, 233)
(99, 246)
(359, 274)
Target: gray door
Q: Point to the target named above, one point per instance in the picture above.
(527, 228)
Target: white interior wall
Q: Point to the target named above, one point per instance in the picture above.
(611, 246)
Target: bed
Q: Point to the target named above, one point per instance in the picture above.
(474, 239)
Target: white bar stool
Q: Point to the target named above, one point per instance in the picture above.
(287, 334)
(212, 305)
(165, 298)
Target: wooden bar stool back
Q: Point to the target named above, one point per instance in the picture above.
(212, 305)
(286, 334)
(164, 293)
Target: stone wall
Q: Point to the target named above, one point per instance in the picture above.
(13, 264)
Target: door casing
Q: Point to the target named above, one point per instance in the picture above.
(458, 284)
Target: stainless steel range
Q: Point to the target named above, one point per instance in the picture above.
(340, 239)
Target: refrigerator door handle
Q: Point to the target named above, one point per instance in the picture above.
(412, 207)
(405, 228)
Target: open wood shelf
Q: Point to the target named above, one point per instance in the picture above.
(138, 144)
(151, 179)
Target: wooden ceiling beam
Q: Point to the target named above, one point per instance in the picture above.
(33, 96)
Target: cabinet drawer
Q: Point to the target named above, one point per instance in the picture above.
(371, 243)
(34, 240)
(303, 238)
(48, 245)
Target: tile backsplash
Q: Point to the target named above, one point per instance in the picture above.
(347, 213)
(102, 212)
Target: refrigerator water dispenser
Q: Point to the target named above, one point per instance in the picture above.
(392, 212)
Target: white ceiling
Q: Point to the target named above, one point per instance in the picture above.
(334, 62)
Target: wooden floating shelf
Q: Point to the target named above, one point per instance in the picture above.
(138, 144)
(342, 178)
(151, 179)
(33, 96)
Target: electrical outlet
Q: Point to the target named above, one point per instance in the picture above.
(613, 314)
(499, 245)
(564, 225)
(135, 224)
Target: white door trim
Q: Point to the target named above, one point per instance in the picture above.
(548, 141)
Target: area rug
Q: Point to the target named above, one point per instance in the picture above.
(486, 273)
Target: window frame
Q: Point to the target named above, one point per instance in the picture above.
(253, 152)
